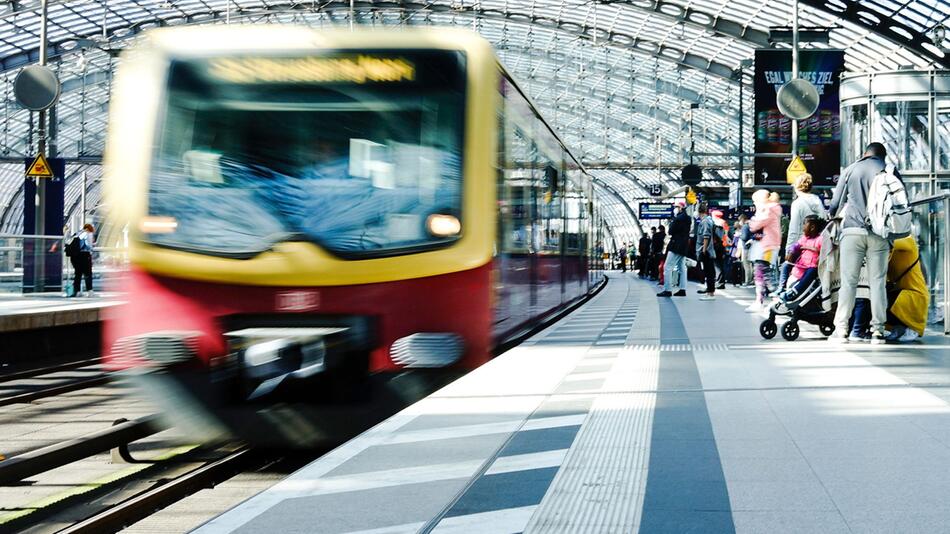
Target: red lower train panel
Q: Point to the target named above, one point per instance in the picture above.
(456, 303)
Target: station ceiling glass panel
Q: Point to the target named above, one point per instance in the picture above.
(630, 85)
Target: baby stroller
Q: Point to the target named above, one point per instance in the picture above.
(803, 306)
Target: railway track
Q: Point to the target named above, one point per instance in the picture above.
(147, 502)
(166, 479)
(25, 393)
(49, 369)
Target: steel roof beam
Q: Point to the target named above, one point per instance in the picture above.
(614, 39)
(697, 18)
(857, 13)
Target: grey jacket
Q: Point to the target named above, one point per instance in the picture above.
(850, 201)
(806, 204)
(706, 229)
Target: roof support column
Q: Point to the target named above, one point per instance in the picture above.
(39, 214)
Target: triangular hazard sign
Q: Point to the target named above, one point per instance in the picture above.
(795, 168)
(39, 168)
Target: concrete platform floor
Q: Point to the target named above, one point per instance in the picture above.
(638, 414)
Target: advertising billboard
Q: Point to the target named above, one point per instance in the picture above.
(819, 136)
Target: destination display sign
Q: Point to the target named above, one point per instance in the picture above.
(357, 69)
(656, 210)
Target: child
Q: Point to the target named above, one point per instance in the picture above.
(802, 258)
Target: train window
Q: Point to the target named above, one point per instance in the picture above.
(352, 151)
(517, 193)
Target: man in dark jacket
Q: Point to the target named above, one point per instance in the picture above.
(676, 252)
(644, 258)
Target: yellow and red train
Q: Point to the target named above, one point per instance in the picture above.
(323, 215)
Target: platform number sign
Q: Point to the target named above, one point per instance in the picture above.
(656, 190)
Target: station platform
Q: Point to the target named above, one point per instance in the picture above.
(639, 414)
(46, 310)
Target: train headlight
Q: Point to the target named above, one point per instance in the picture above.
(158, 225)
(441, 225)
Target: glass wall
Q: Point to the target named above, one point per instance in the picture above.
(904, 128)
(854, 132)
(908, 111)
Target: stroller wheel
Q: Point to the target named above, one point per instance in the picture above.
(790, 331)
(768, 329)
(826, 329)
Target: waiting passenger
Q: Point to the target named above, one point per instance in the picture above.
(806, 203)
(722, 233)
(802, 259)
(644, 266)
(676, 251)
(765, 250)
(706, 252)
(81, 259)
(907, 294)
(858, 245)
(657, 245)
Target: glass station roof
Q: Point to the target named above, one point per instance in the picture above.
(616, 78)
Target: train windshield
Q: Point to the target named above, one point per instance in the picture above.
(360, 153)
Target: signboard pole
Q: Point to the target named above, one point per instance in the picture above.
(794, 72)
(741, 136)
(39, 249)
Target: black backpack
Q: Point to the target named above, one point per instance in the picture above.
(73, 246)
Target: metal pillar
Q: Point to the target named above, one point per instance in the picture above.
(82, 201)
(39, 216)
(946, 265)
(794, 72)
(741, 141)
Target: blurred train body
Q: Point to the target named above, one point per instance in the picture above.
(325, 226)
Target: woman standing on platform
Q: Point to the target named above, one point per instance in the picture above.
(767, 220)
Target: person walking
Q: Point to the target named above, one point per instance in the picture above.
(763, 252)
(80, 256)
(676, 252)
(706, 252)
(859, 246)
(623, 258)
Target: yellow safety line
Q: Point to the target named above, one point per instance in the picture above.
(89, 486)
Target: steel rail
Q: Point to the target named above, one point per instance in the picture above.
(52, 391)
(147, 502)
(31, 463)
(31, 373)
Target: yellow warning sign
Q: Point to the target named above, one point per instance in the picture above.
(39, 168)
(795, 168)
(691, 197)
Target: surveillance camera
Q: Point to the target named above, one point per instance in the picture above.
(938, 35)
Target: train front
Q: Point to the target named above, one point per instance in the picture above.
(310, 244)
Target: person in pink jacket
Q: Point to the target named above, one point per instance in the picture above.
(767, 223)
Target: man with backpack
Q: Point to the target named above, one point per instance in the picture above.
(79, 251)
(859, 245)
